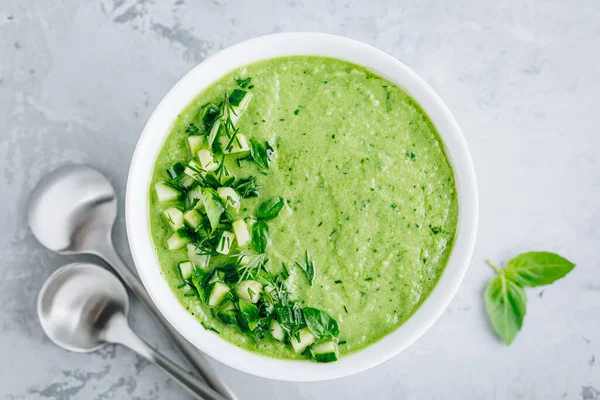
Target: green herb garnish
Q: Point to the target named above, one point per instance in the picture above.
(321, 324)
(505, 299)
(209, 328)
(247, 187)
(193, 129)
(270, 209)
(244, 83)
(260, 236)
(258, 153)
(308, 268)
(213, 206)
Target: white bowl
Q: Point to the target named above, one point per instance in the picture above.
(278, 45)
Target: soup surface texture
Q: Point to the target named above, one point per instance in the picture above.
(368, 191)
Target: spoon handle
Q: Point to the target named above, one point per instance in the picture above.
(198, 361)
(118, 331)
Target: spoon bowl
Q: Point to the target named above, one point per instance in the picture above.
(75, 304)
(73, 209)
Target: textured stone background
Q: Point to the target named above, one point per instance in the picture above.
(79, 79)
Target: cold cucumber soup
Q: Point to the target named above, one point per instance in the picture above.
(302, 207)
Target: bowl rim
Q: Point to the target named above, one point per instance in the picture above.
(279, 45)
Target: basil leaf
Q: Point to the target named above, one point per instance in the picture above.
(308, 268)
(213, 206)
(260, 236)
(505, 303)
(321, 324)
(270, 209)
(249, 316)
(537, 268)
(258, 152)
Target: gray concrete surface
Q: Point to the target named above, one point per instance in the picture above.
(78, 79)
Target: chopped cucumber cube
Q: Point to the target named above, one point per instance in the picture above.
(206, 160)
(174, 218)
(238, 145)
(216, 130)
(218, 293)
(225, 243)
(301, 340)
(186, 269)
(195, 142)
(199, 260)
(276, 330)
(230, 198)
(249, 290)
(167, 192)
(178, 239)
(175, 170)
(194, 198)
(195, 170)
(242, 234)
(186, 181)
(192, 218)
(239, 100)
(325, 352)
(227, 312)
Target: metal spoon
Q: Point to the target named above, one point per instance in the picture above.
(83, 307)
(72, 211)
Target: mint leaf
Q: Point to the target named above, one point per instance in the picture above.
(260, 236)
(537, 268)
(270, 209)
(505, 304)
(321, 324)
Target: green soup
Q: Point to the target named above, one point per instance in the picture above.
(368, 191)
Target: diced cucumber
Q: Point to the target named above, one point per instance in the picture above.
(192, 218)
(230, 198)
(239, 100)
(186, 269)
(195, 170)
(175, 170)
(206, 160)
(178, 239)
(194, 198)
(215, 131)
(167, 192)
(227, 312)
(249, 290)
(186, 181)
(218, 293)
(242, 234)
(301, 340)
(325, 352)
(199, 260)
(174, 218)
(225, 243)
(195, 142)
(276, 330)
(238, 145)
